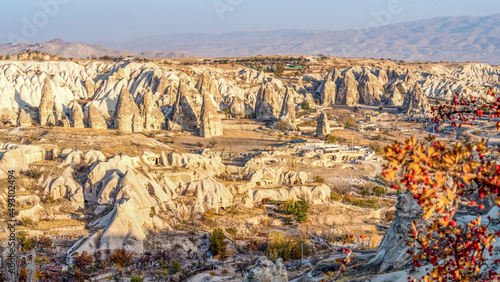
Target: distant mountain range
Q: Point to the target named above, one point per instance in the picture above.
(436, 39)
(80, 50)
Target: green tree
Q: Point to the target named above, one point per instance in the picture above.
(379, 191)
(217, 243)
(298, 209)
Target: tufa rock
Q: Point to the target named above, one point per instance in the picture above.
(210, 124)
(207, 82)
(328, 93)
(89, 87)
(24, 119)
(416, 102)
(95, 118)
(348, 92)
(126, 109)
(237, 108)
(46, 107)
(392, 96)
(77, 116)
(183, 113)
(153, 117)
(323, 126)
(392, 253)
(370, 89)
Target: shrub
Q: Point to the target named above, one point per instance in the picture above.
(365, 191)
(217, 243)
(331, 139)
(298, 209)
(82, 261)
(305, 106)
(379, 191)
(335, 196)
(136, 278)
(319, 179)
(175, 266)
(121, 257)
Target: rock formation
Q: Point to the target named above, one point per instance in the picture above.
(392, 96)
(265, 270)
(89, 87)
(416, 102)
(95, 118)
(392, 251)
(328, 93)
(370, 89)
(183, 112)
(64, 122)
(153, 117)
(24, 119)
(126, 110)
(267, 105)
(237, 108)
(322, 126)
(46, 108)
(210, 124)
(287, 114)
(207, 82)
(77, 116)
(348, 91)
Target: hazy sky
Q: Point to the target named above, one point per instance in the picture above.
(93, 21)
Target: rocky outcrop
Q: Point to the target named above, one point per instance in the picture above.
(265, 270)
(46, 108)
(89, 86)
(371, 89)
(392, 252)
(209, 195)
(24, 119)
(237, 107)
(348, 91)
(267, 105)
(328, 93)
(77, 116)
(287, 115)
(392, 96)
(184, 114)
(207, 82)
(95, 118)
(416, 102)
(64, 186)
(153, 117)
(126, 110)
(64, 122)
(210, 124)
(322, 126)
